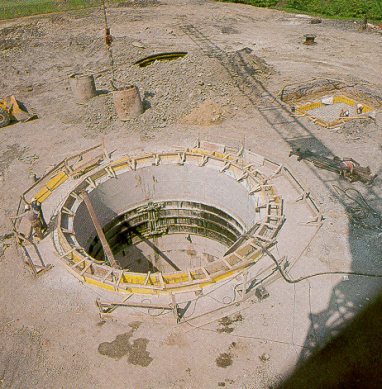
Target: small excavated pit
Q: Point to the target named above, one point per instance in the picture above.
(160, 57)
(324, 101)
(327, 112)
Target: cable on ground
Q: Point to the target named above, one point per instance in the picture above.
(361, 211)
(291, 281)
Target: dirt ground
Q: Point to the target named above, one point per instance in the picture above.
(51, 334)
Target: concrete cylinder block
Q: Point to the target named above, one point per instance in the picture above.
(83, 87)
(128, 103)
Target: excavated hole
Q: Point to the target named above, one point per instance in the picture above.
(167, 236)
(161, 57)
(164, 218)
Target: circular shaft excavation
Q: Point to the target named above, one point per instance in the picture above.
(163, 223)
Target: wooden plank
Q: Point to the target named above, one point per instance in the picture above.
(227, 263)
(139, 305)
(147, 278)
(89, 165)
(66, 254)
(119, 280)
(88, 265)
(78, 264)
(107, 275)
(161, 280)
(206, 273)
(100, 233)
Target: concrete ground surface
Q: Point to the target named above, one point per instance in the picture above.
(51, 334)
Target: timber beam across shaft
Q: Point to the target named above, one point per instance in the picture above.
(105, 245)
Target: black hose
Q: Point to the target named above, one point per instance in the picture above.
(290, 281)
(362, 211)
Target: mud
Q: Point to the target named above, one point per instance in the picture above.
(226, 323)
(224, 360)
(136, 350)
(11, 153)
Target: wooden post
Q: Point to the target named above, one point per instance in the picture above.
(174, 306)
(245, 281)
(105, 245)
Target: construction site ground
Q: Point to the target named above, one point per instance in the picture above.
(51, 334)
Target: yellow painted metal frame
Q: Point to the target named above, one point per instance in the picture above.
(50, 186)
(85, 267)
(304, 110)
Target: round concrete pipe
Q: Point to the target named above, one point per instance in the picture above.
(83, 87)
(128, 103)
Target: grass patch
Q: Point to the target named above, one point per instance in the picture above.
(339, 9)
(10, 9)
